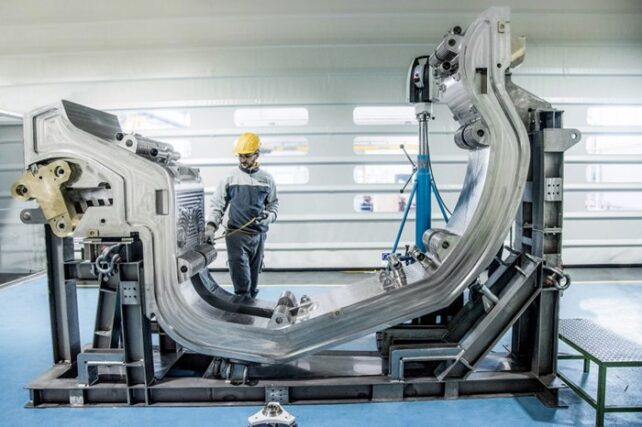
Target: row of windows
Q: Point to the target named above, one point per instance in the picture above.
(270, 146)
(390, 203)
(615, 144)
(399, 174)
(390, 145)
(594, 202)
(363, 116)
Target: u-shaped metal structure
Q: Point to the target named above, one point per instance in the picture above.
(121, 185)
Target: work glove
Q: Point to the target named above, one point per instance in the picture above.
(266, 217)
(210, 231)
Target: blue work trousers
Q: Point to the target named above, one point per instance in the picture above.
(245, 260)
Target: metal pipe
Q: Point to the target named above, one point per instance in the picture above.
(424, 208)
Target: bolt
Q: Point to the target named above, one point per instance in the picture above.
(184, 269)
(129, 143)
(21, 190)
(26, 216)
(445, 244)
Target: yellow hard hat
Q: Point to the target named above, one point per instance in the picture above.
(247, 143)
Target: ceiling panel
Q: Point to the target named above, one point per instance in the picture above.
(30, 26)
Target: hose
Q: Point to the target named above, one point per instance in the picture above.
(230, 231)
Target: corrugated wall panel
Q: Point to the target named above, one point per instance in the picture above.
(21, 246)
(318, 225)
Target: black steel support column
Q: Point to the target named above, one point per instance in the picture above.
(107, 326)
(137, 334)
(539, 233)
(63, 305)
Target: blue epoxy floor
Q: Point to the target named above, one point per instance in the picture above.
(26, 353)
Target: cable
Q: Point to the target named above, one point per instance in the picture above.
(230, 231)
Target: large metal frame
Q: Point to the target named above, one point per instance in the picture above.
(144, 246)
(157, 198)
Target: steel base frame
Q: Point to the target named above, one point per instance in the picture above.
(123, 367)
(127, 369)
(187, 387)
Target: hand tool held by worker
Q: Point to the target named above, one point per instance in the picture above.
(265, 217)
(210, 231)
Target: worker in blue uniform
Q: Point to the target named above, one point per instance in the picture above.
(250, 193)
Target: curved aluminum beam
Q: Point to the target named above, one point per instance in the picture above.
(473, 86)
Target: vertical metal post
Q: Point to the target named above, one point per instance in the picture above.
(63, 304)
(107, 326)
(137, 334)
(539, 233)
(601, 396)
(424, 209)
(546, 315)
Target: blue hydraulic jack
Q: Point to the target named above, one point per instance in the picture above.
(423, 187)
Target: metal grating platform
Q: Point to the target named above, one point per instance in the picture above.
(598, 342)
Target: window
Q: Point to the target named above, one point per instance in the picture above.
(381, 203)
(614, 144)
(614, 116)
(382, 174)
(374, 145)
(284, 146)
(262, 117)
(614, 201)
(289, 175)
(392, 115)
(140, 120)
(614, 173)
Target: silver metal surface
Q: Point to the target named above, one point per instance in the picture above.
(272, 414)
(553, 190)
(599, 342)
(147, 202)
(424, 353)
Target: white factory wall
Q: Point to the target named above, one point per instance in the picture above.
(190, 97)
(21, 246)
